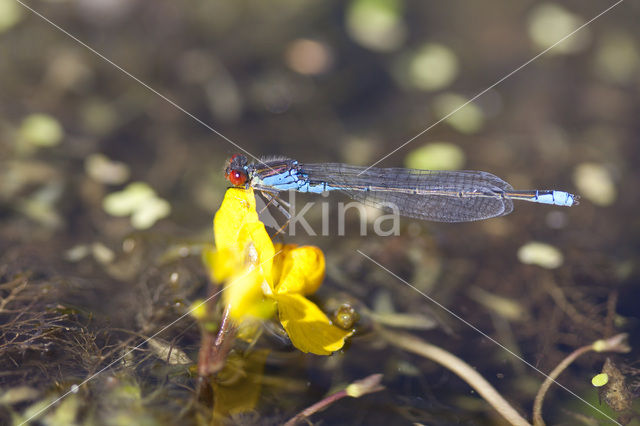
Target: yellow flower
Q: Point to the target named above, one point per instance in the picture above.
(242, 257)
(262, 277)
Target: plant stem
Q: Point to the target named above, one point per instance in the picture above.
(361, 387)
(213, 351)
(616, 343)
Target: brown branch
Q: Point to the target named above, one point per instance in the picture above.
(355, 390)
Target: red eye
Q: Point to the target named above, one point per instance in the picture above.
(237, 177)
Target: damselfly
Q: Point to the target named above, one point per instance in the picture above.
(443, 196)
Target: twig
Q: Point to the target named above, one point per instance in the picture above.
(355, 390)
(612, 344)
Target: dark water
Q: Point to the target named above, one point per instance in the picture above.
(80, 287)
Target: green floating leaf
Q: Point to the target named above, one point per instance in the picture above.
(376, 24)
(102, 254)
(464, 116)
(18, 395)
(541, 254)
(509, 309)
(432, 67)
(40, 206)
(549, 23)
(104, 170)
(77, 252)
(140, 201)
(617, 57)
(41, 130)
(65, 413)
(152, 211)
(130, 199)
(600, 380)
(10, 14)
(595, 183)
(436, 156)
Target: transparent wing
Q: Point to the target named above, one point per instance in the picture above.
(443, 196)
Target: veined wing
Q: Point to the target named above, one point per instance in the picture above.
(443, 196)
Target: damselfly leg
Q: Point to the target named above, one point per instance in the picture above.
(277, 202)
(282, 205)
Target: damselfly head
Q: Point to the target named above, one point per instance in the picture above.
(236, 170)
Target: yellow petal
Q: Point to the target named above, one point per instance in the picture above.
(221, 264)
(307, 326)
(244, 298)
(302, 271)
(239, 234)
(198, 309)
(208, 256)
(259, 248)
(278, 263)
(237, 209)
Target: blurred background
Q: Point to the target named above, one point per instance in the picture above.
(107, 190)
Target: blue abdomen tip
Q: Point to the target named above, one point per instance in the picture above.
(562, 198)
